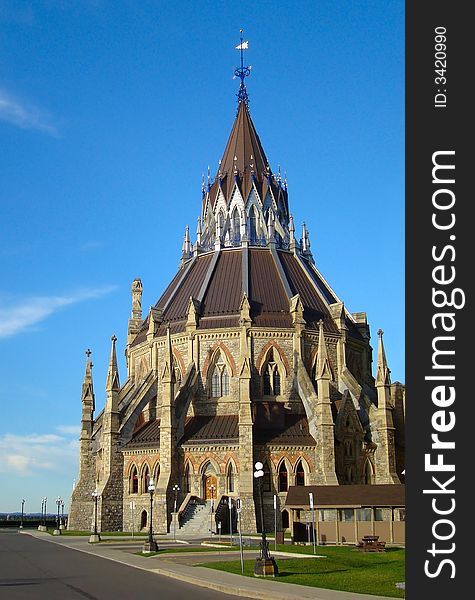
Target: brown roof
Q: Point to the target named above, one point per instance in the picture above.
(294, 432)
(299, 282)
(222, 291)
(223, 428)
(346, 495)
(269, 302)
(147, 436)
(244, 162)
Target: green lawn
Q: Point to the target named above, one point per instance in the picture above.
(344, 568)
(101, 533)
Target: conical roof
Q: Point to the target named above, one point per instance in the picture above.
(245, 163)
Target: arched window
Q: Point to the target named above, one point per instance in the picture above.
(219, 378)
(368, 473)
(145, 480)
(283, 478)
(299, 474)
(271, 376)
(143, 519)
(187, 480)
(156, 474)
(221, 221)
(236, 226)
(349, 475)
(252, 225)
(230, 478)
(134, 481)
(224, 382)
(285, 519)
(266, 479)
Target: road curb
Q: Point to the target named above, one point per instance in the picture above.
(236, 589)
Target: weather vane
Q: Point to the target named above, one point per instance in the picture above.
(242, 73)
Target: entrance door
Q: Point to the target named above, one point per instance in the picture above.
(210, 483)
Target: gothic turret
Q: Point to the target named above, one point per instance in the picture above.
(385, 457)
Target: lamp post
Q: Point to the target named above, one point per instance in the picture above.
(22, 511)
(95, 537)
(40, 526)
(211, 528)
(176, 489)
(265, 565)
(61, 523)
(150, 545)
(57, 531)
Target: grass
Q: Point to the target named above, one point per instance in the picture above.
(101, 533)
(344, 568)
(186, 550)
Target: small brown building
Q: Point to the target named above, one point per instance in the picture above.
(346, 513)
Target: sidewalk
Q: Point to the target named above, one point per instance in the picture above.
(228, 583)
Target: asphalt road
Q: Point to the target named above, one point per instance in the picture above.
(35, 569)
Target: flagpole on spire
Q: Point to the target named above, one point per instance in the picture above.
(242, 72)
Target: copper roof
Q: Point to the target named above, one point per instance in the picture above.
(147, 436)
(222, 428)
(224, 293)
(222, 285)
(300, 283)
(244, 162)
(268, 300)
(294, 432)
(346, 495)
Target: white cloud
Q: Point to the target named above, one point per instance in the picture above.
(26, 313)
(26, 115)
(69, 429)
(25, 455)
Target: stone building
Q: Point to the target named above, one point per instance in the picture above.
(247, 355)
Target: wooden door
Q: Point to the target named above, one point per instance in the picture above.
(210, 492)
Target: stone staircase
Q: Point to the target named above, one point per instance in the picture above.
(197, 520)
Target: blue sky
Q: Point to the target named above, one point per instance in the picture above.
(109, 114)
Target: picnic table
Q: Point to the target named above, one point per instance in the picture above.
(371, 543)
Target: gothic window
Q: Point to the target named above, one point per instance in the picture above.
(143, 519)
(156, 475)
(252, 225)
(300, 474)
(221, 222)
(145, 480)
(368, 473)
(266, 479)
(187, 479)
(134, 481)
(219, 378)
(236, 226)
(230, 478)
(283, 478)
(285, 519)
(271, 376)
(349, 475)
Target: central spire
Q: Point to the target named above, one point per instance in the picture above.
(242, 72)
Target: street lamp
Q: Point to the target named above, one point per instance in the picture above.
(211, 488)
(176, 489)
(57, 531)
(150, 545)
(22, 507)
(95, 537)
(61, 524)
(43, 527)
(265, 564)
